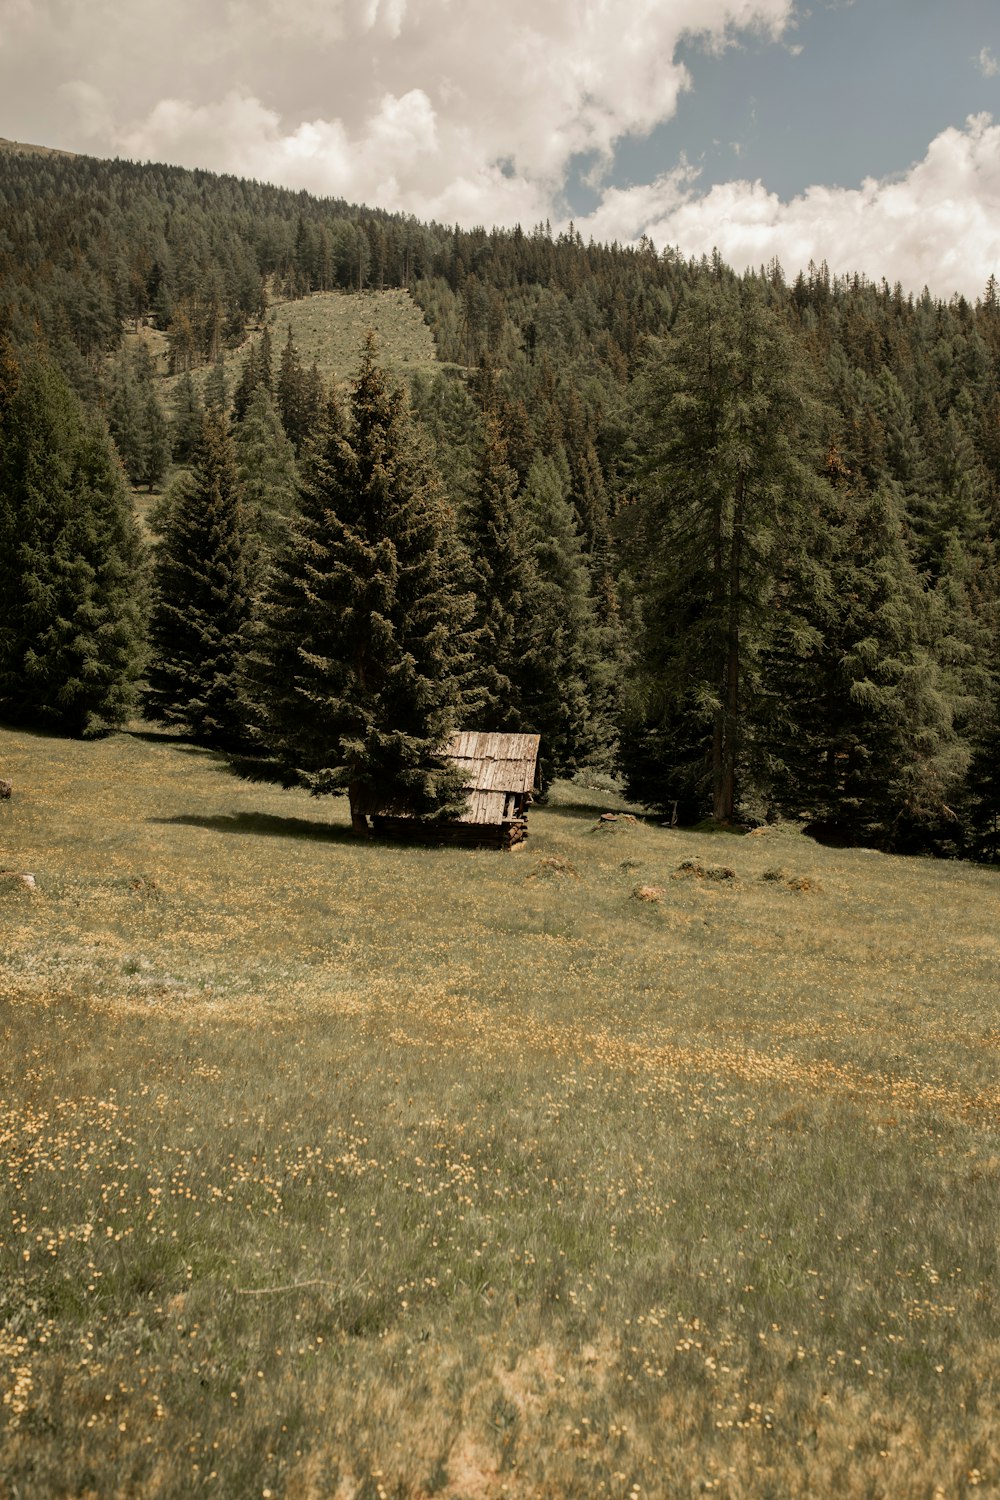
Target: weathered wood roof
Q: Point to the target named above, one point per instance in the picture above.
(498, 770)
(495, 762)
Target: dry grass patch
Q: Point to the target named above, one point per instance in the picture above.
(339, 1170)
(330, 328)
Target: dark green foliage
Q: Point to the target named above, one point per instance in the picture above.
(725, 513)
(571, 696)
(185, 421)
(299, 396)
(454, 424)
(137, 422)
(866, 637)
(266, 464)
(983, 815)
(361, 671)
(215, 391)
(72, 568)
(511, 647)
(204, 598)
(885, 757)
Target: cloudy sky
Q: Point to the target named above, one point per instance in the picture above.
(865, 132)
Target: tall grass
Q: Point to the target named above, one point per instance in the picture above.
(340, 1170)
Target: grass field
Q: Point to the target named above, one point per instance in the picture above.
(339, 1170)
(330, 328)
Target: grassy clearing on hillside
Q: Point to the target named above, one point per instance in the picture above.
(330, 328)
(340, 1170)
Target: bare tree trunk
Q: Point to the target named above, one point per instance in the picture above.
(359, 822)
(725, 786)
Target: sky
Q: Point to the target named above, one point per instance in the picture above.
(865, 133)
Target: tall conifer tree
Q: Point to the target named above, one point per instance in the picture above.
(505, 575)
(726, 497)
(73, 590)
(267, 469)
(361, 672)
(204, 598)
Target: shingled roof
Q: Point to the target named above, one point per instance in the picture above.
(498, 770)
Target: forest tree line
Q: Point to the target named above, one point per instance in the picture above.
(730, 537)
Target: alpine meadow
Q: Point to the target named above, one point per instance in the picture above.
(368, 1134)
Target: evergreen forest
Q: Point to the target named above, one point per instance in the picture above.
(729, 538)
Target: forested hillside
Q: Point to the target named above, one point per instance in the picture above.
(732, 538)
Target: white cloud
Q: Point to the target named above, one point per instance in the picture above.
(411, 104)
(464, 110)
(92, 110)
(938, 224)
(988, 65)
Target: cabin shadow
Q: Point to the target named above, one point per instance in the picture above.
(266, 825)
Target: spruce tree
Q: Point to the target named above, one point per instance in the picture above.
(137, 421)
(266, 464)
(891, 748)
(204, 598)
(248, 383)
(890, 679)
(361, 671)
(726, 500)
(291, 395)
(185, 420)
(571, 697)
(257, 374)
(73, 591)
(511, 653)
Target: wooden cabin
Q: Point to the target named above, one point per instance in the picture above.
(500, 773)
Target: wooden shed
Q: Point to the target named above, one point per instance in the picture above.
(500, 773)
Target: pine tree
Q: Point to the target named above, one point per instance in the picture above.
(313, 403)
(511, 654)
(248, 383)
(72, 566)
(126, 420)
(361, 671)
(291, 395)
(891, 681)
(204, 599)
(868, 739)
(726, 497)
(185, 420)
(571, 698)
(215, 391)
(137, 422)
(451, 419)
(267, 470)
(257, 374)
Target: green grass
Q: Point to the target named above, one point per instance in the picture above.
(330, 328)
(352, 1170)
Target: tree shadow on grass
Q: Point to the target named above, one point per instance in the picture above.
(155, 736)
(266, 825)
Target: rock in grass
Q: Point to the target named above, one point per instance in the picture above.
(610, 822)
(652, 894)
(793, 882)
(18, 878)
(693, 868)
(6, 790)
(553, 867)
